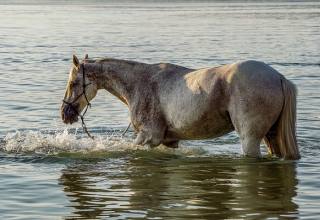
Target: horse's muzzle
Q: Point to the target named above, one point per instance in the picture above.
(69, 114)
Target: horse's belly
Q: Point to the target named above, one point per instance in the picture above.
(207, 126)
(196, 107)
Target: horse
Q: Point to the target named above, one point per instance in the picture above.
(169, 103)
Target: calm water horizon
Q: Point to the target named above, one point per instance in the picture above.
(52, 171)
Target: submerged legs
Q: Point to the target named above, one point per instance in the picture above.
(154, 139)
(149, 137)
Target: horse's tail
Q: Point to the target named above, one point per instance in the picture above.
(281, 139)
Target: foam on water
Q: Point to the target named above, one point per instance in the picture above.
(67, 142)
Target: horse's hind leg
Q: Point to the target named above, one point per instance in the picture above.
(250, 146)
(271, 141)
(251, 128)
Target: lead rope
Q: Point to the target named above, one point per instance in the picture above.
(83, 124)
(125, 131)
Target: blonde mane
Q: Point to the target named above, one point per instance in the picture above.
(107, 59)
(72, 76)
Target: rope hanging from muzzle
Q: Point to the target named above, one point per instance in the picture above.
(84, 85)
(83, 124)
(125, 131)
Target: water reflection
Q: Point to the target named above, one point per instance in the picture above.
(173, 187)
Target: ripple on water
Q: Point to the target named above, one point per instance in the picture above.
(110, 176)
(62, 174)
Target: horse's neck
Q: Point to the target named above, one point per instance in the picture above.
(121, 78)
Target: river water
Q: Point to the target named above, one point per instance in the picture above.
(52, 171)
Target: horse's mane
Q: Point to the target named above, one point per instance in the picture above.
(114, 60)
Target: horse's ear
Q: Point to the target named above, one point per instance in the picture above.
(75, 61)
(85, 60)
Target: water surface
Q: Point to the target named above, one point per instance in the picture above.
(51, 171)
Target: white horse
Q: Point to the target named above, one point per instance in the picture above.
(169, 103)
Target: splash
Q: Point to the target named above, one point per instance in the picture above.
(64, 141)
(67, 142)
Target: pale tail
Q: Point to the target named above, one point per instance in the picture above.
(281, 139)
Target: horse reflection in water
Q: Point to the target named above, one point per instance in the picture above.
(164, 186)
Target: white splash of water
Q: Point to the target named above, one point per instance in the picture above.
(66, 142)
(39, 142)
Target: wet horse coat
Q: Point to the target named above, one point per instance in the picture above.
(169, 103)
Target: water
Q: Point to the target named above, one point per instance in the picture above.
(50, 171)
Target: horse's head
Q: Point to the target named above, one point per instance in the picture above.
(81, 89)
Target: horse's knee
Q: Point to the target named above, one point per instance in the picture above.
(140, 139)
(154, 141)
(144, 138)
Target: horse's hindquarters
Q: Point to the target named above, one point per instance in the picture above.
(256, 101)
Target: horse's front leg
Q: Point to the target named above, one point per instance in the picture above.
(148, 121)
(150, 135)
